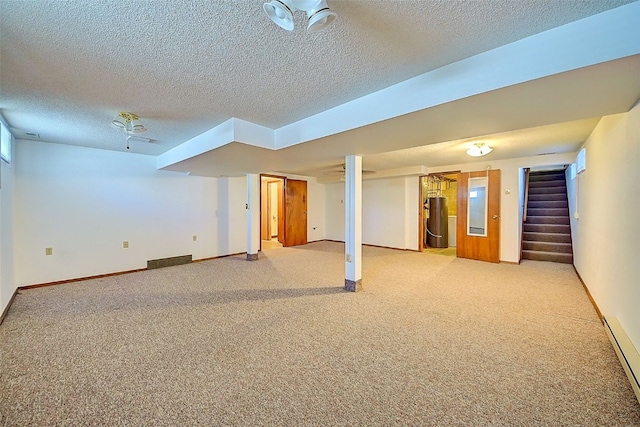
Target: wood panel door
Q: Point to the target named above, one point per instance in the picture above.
(295, 212)
(479, 240)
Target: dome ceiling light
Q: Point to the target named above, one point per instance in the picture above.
(479, 149)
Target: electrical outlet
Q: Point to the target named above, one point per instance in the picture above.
(48, 251)
(348, 257)
(195, 237)
(125, 244)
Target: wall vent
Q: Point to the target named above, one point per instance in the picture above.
(168, 262)
(32, 135)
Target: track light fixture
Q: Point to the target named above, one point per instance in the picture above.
(319, 15)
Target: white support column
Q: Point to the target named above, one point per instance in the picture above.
(353, 223)
(253, 216)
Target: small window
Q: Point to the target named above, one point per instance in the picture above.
(5, 143)
(581, 161)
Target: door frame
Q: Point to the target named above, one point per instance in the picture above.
(281, 214)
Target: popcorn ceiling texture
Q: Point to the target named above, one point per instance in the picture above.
(432, 341)
(186, 66)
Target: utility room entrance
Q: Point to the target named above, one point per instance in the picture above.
(439, 213)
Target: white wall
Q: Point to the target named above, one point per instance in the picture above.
(412, 208)
(334, 211)
(390, 209)
(607, 234)
(85, 202)
(7, 282)
(510, 204)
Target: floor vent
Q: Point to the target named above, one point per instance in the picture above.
(626, 351)
(168, 262)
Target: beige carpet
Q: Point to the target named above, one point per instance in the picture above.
(432, 341)
(271, 244)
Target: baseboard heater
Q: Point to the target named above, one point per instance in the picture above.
(626, 351)
(168, 262)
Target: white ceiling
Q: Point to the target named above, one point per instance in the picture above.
(187, 66)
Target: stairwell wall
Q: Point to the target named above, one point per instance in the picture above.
(606, 232)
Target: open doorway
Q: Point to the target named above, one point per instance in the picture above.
(438, 213)
(283, 212)
(272, 215)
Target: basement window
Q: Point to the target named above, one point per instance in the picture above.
(5, 143)
(581, 161)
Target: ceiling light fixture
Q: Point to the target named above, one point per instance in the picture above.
(129, 124)
(479, 149)
(319, 15)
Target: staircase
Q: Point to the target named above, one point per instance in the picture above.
(546, 231)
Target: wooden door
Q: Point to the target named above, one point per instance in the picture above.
(295, 212)
(475, 241)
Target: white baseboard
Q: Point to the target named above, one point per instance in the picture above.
(626, 351)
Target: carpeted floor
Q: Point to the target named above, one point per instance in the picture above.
(432, 341)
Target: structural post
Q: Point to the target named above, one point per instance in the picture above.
(353, 223)
(253, 216)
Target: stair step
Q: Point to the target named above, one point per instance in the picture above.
(547, 176)
(547, 256)
(547, 228)
(551, 183)
(553, 204)
(546, 237)
(558, 248)
(547, 211)
(547, 197)
(547, 190)
(533, 219)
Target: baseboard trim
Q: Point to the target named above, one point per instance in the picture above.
(626, 352)
(79, 279)
(6, 309)
(593, 302)
(218, 257)
(370, 245)
(101, 276)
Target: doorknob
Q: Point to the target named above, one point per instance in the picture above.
(495, 216)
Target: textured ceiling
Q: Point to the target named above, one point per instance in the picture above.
(185, 66)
